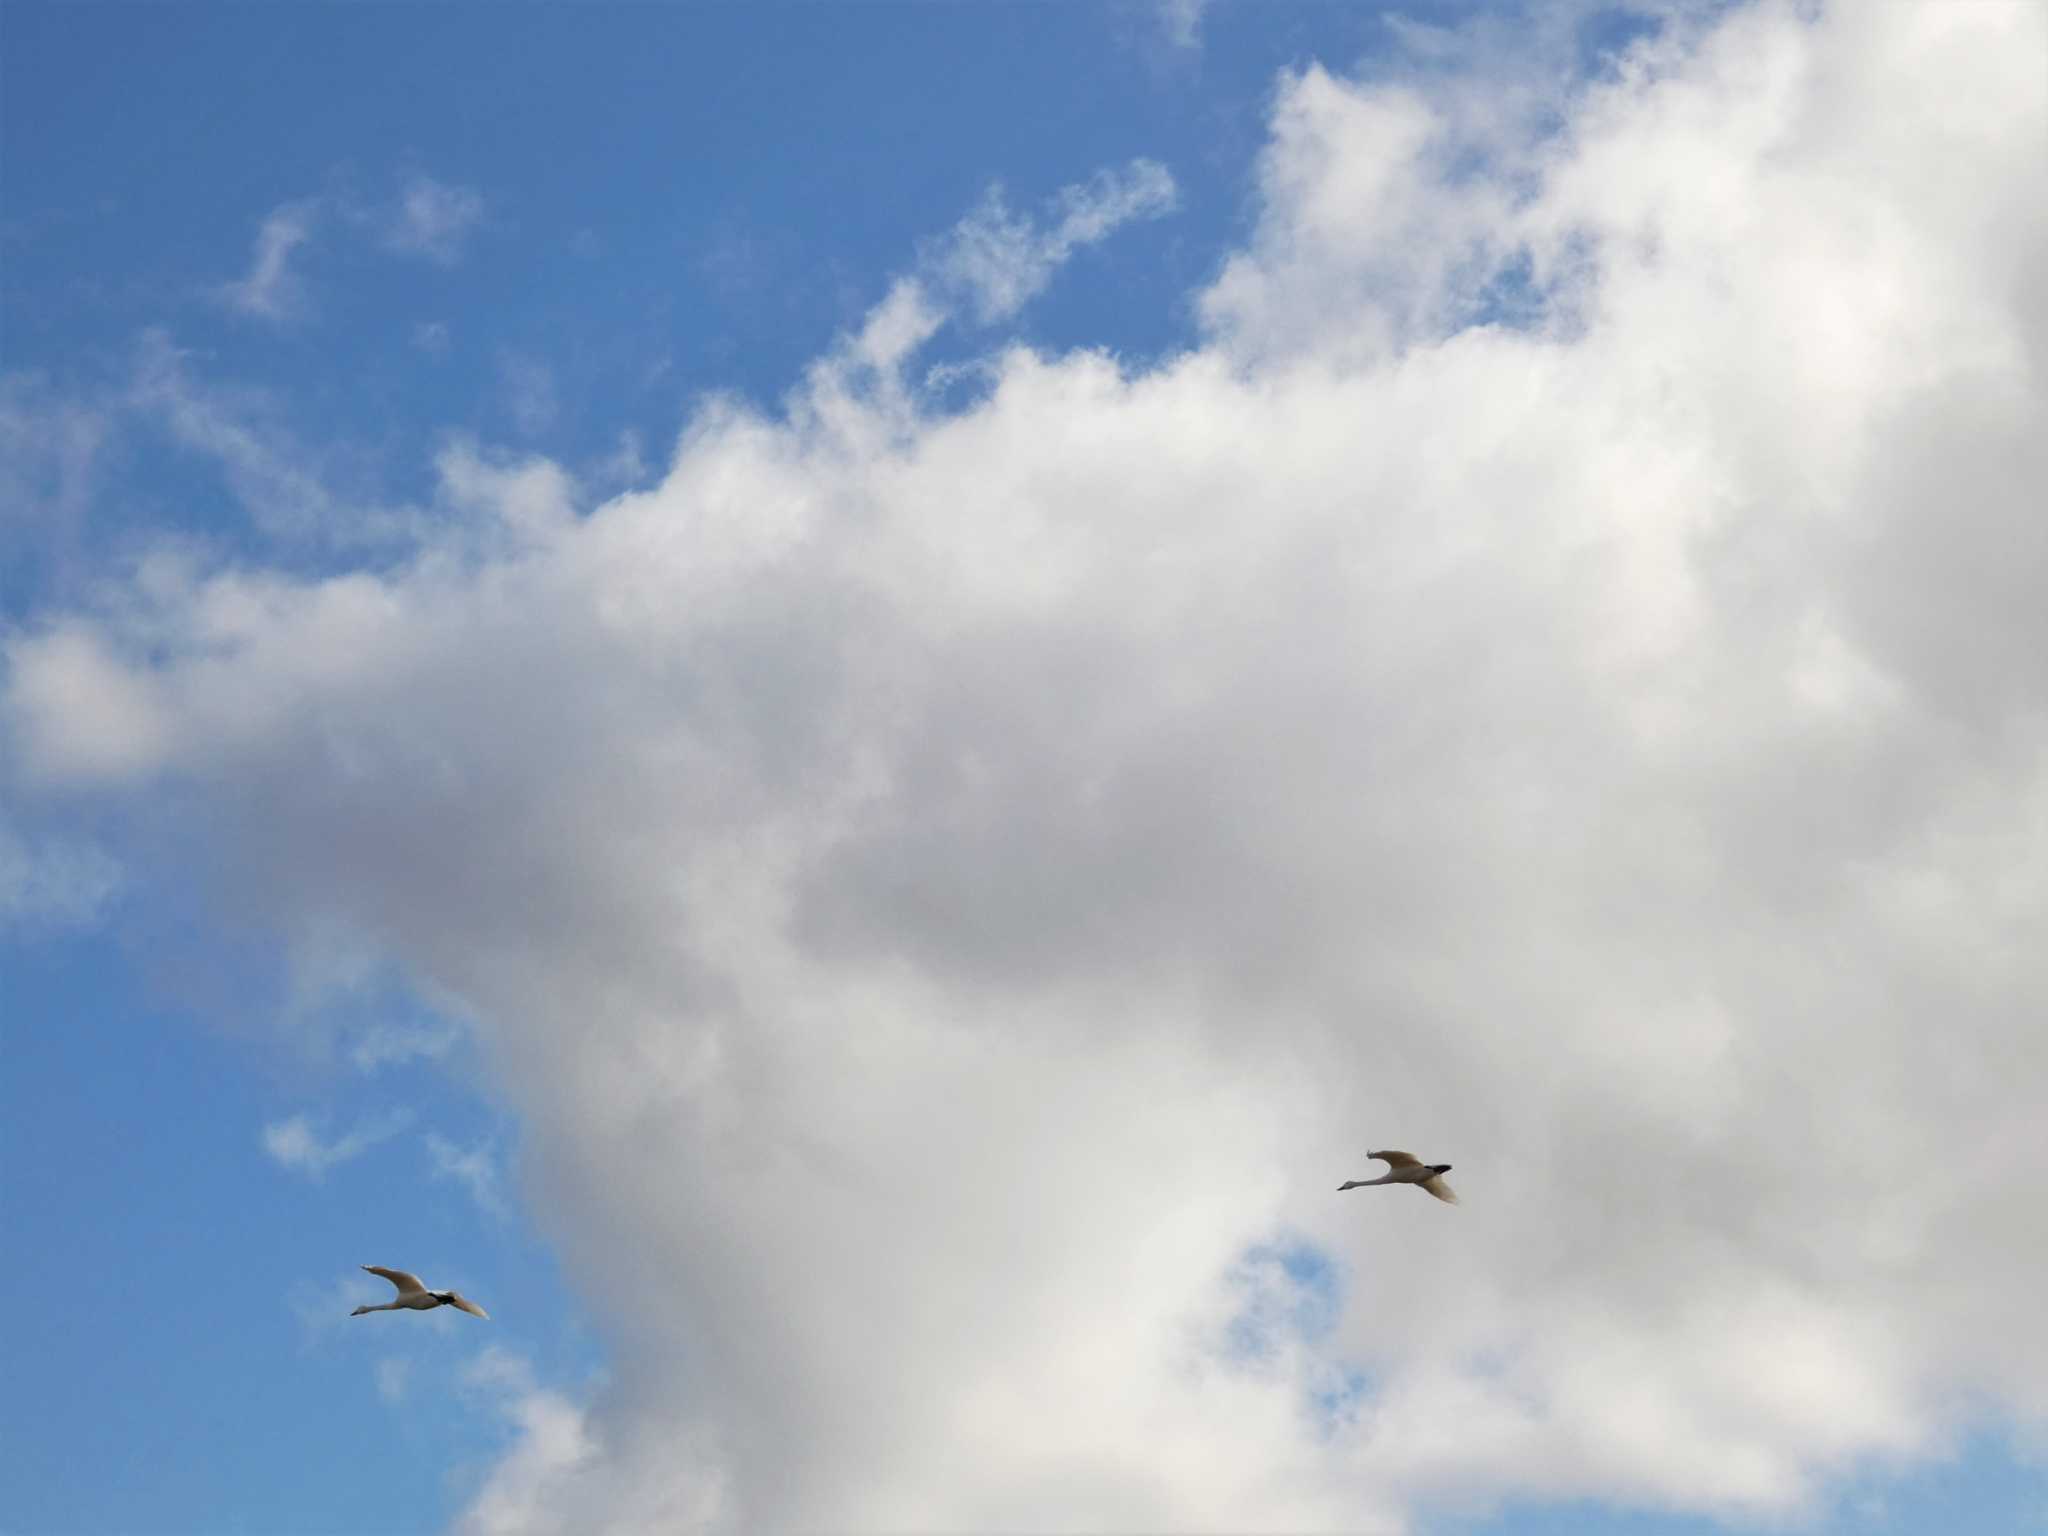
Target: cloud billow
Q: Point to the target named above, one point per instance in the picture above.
(940, 891)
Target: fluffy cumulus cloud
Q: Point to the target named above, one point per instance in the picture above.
(551, 1448)
(1554, 679)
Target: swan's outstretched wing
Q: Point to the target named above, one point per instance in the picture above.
(1436, 1186)
(457, 1299)
(408, 1285)
(1397, 1159)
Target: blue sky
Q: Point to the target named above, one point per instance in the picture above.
(456, 953)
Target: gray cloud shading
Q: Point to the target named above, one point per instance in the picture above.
(944, 894)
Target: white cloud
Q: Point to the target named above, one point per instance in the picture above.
(282, 485)
(265, 468)
(295, 1144)
(431, 336)
(271, 290)
(999, 260)
(430, 219)
(551, 1449)
(946, 896)
(53, 882)
(83, 714)
(433, 220)
(475, 1168)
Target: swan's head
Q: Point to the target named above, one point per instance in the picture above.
(1440, 1168)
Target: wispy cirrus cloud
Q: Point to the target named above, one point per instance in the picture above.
(297, 1144)
(475, 1168)
(271, 290)
(430, 219)
(1182, 21)
(50, 450)
(287, 488)
(269, 472)
(997, 260)
(51, 882)
(433, 219)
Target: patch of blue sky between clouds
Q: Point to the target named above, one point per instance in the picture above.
(1289, 1295)
(222, 1409)
(1289, 1291)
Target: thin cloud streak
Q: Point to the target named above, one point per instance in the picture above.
(998, 260)
(275, 478)
(294, 1143)
(270, 290)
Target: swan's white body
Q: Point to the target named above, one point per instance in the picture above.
(1405, 1168)
(415, 1297)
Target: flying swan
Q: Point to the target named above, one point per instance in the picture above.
(1406, 1168)
(415, 1297)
